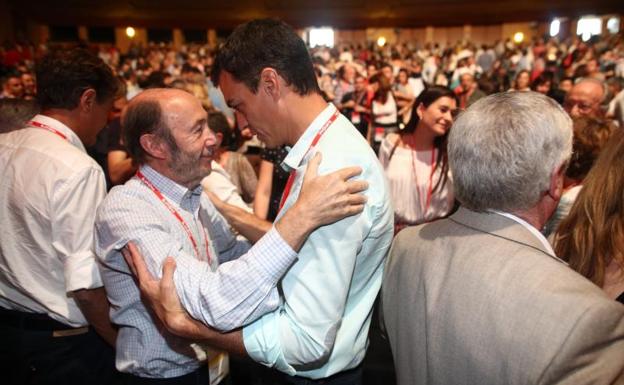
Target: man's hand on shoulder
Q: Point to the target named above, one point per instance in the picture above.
(323, 199)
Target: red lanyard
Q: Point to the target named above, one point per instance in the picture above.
(293, 173)
(430, 186)
(46, 127)
(177, 215)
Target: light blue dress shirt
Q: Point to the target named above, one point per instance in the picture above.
(225, 296)
(321, 328)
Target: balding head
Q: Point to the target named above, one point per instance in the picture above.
(585, 98)
(150, 112)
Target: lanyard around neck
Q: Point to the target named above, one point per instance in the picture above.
(177, 215)
(47, 128)
(293, 173)
(429, 188)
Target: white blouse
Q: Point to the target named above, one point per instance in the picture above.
(385, 113)
(408, 174)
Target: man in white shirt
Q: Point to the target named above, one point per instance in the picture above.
(51, 296)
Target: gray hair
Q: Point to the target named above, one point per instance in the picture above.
(503, 150)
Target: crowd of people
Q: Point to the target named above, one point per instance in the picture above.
(167, 207)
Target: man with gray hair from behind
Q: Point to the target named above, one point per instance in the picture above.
(480, 297)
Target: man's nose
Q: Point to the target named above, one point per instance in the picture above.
(241, 120)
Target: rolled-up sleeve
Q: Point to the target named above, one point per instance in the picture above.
(73, 203)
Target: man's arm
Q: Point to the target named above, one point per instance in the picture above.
(245, 223)
(263, 189)
(241, 290)
(74, 205)
(309, 212)
(120, 166)
(161, 297)
(164, 301)
(94, 306)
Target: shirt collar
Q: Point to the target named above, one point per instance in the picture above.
(182, 196)
(298, 152)
(63, 129)
(540, 237)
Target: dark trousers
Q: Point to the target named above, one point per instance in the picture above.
(247, 372)
(348, 377)
(36, 349)
(198, 377)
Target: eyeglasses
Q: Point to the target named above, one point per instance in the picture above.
(582, 106)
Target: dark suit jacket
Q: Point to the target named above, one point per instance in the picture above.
(477, 299)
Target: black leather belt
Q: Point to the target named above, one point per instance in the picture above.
(38, 322)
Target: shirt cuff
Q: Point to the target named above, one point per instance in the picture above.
(274, 255)
(81, 272)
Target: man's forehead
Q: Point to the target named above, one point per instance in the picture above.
(585, 91)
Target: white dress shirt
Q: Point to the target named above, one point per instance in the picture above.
(49, 192)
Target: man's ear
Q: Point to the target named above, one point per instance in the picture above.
(87, 100)
(154, 146)
(270, 83)
(555, 190)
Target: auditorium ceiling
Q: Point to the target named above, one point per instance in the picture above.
(300, 13)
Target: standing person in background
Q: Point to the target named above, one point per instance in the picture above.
(346, 76)
(468, 91)
(54, 315)
(585, 98)
(522, 82)
(404, 94)
(355, 107)
(384, 110)
(415, 160)
(591, 237)
(590, 136)
(272, 179)
(108, 150)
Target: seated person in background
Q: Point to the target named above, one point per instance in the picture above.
(480, 297)
(590, 136)
(235, 164)
(591, 237)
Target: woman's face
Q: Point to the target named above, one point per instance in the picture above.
(523, 81)
(402, 77)
(543, 88)
(438, 117)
